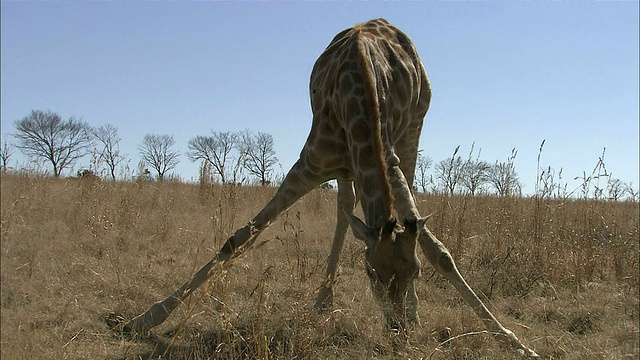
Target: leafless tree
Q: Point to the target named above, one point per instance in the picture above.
(107, 136)
(504, 178)
(46, 136)
(258, 155)
(217, 151)
(475, 174)
(423, 164)
(5, 154)
(157, 151)
(616, 189)
(449, 172)
(632, 193)
(202, 148)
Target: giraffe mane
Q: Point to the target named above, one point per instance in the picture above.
(372, 108)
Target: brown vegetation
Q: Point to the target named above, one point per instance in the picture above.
(76, 252)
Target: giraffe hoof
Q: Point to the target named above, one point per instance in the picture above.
(114, 321)
(324, 301)
(443, 336)
(117, 323)
(528, 353)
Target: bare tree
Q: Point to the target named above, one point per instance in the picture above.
(632, 193)
(616, 189)
(217, 151)
(201, 148)
(156, 150)
(107, 136)
(449, 172)
(422, 178)
(258, 155)
(5, 154)
(503, 177)
(475, 174)
(46, 136)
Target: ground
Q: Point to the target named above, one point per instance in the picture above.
(78, 253)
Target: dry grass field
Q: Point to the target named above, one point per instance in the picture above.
(562, 275)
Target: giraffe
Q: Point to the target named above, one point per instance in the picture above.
(369, 95)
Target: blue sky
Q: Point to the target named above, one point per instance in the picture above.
(504, 74)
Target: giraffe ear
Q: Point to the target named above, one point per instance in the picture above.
(422, 222)
(416, 225)
(361, 230)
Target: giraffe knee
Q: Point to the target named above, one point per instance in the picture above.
(445, 261)
(236, 240)
(228, 248)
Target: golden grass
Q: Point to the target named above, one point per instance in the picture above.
(562, 275)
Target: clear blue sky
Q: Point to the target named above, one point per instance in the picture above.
(504, 74)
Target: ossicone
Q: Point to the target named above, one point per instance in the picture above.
(389, 226)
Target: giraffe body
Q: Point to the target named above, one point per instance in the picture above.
(369, 95)
(343, 139)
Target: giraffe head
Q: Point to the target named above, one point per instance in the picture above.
(391, 263)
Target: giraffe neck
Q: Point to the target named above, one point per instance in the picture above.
(383, 199)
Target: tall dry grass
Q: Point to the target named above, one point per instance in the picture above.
(562, 274)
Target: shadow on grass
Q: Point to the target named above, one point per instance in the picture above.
(248, 340)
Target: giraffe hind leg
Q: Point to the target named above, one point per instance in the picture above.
(412, 304)
(346, 205)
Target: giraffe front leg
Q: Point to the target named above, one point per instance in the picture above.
(298, 182)
(161, 310)
(441, 259)
(346, 204)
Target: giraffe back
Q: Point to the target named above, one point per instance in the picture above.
(369, 94)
